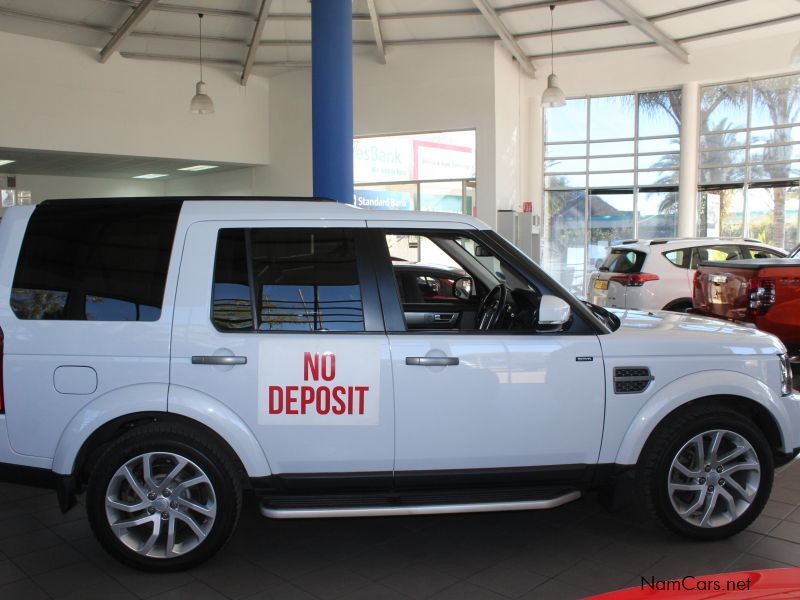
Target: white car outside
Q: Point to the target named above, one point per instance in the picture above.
(658, 274)
(162, 355)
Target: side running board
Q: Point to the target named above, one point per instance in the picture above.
(419, 509)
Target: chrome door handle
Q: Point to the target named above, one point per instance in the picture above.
(431, 361)
(219, 360)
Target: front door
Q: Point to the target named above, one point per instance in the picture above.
(281, 324)
(492, 390)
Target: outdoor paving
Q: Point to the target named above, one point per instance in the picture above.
(570, 552)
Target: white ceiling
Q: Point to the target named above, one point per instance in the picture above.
(169, 31)
(79, 164)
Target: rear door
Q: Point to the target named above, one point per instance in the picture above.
(88, 314)
(280, 322)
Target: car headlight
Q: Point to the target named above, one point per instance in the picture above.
(786, 374)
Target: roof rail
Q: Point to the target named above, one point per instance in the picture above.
(193, 198)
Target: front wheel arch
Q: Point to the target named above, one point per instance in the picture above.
(744, 406)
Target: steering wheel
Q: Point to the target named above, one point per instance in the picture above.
(492, 306)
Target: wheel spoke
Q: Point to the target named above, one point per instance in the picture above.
(698, 503)
(151, 541)
(729, 501)
(121, 526)
(135, 485)
(701, 451)
(170, 547)
(130, 508)
(733, 454)
(147, 472)
(167, 481)
(192, 525)
(745, 466)
(206, 511)
(686, 471)
(686, 487)
(185, 485)
(734, 486)
(716, 440)
(711, 504)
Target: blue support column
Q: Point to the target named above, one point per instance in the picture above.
(332, 98)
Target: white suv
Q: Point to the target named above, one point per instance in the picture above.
(657, 274)
(164, 355)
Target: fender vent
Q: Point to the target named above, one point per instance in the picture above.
(631, 380)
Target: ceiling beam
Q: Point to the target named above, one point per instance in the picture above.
(139, 13)
(692, 38)
(505, 36)
(376, 30)
(255, 41)
(627, 12)
(213, 61)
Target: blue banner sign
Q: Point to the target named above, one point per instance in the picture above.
(383, 200)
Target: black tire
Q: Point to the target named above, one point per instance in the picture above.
(221, 489)
(654, 470)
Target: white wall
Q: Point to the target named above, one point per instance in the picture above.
(240, 182)
(140, 108)
(432, 88)
(509, 127)
(57, 96)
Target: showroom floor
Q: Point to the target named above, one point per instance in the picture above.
(573, 551)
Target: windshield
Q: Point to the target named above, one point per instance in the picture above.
(623, 260)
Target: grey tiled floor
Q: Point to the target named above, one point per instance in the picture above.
(570, 552)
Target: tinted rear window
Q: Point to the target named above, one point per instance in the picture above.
(95, 260)
(623, 260)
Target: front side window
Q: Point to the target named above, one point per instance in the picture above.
(754, 252)
(450, 281)
(297, 280)
(715, 254)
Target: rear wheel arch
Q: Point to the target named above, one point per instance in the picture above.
(98, 441)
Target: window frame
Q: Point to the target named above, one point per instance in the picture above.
(370, 300)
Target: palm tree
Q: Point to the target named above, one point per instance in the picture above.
(782, 104)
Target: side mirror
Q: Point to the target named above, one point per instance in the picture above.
(553, 311)
(462, 288)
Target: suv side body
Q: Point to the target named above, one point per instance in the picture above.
(272, 350)
(661, 274)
